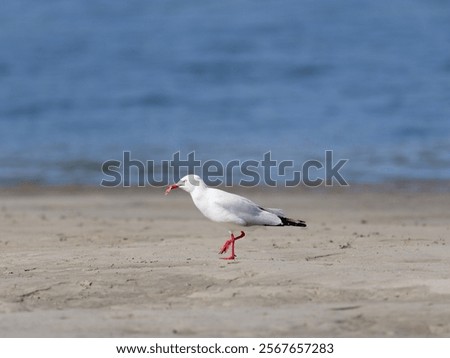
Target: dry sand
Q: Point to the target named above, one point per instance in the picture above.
(134, 263)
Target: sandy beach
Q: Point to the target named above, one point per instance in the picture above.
(81, 262)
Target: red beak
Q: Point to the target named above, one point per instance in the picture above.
(170, 187)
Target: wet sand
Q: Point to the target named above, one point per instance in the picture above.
(133, 263)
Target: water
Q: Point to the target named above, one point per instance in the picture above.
(82, 81)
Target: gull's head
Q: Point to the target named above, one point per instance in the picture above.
(188, 183)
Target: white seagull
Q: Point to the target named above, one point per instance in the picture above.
(231, 209)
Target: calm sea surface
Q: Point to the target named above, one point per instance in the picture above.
(82, 81)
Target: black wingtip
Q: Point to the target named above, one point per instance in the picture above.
(291, 222)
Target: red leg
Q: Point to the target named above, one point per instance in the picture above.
(231, 242)
(226, 245)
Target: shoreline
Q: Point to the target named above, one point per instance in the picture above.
(409, 186)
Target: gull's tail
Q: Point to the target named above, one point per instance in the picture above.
(291, 222)
(284, 220)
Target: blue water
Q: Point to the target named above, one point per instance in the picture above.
(82, 81)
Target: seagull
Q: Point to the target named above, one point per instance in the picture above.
(234, 210)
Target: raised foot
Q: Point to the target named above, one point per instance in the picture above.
(229, 243)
